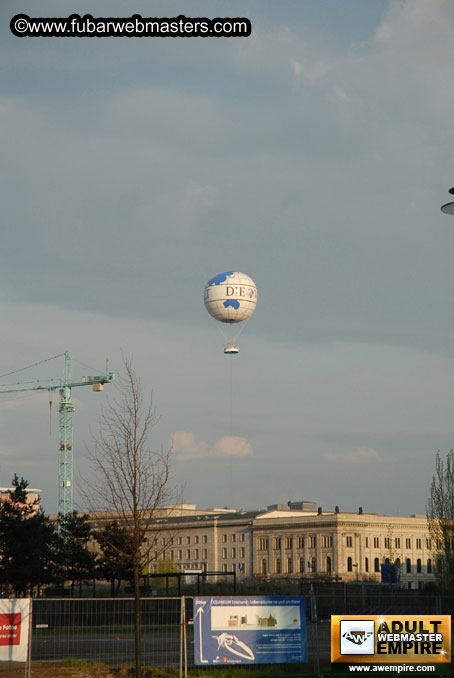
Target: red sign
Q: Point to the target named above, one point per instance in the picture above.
(10, 628)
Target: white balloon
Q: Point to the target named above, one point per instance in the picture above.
(230, 297)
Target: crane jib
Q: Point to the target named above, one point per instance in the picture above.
(65, 451)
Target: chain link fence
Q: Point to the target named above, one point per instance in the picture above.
(102, 629)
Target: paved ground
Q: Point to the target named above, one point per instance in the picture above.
(158, 649)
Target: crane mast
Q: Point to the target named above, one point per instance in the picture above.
(65, 452)
(66, 409)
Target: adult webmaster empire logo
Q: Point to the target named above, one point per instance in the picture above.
(357, 637)
(391, 639)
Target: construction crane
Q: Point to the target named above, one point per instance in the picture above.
(66, 409)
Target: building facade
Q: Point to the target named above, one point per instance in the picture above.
(298, 540)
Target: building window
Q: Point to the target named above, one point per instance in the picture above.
(196, 554)
(313, 563)
(300, 542)
(277, 543)
(301, 565)
(418, 566)
(387, 542)
(188, 555)
(429, 566)
(328, 564)
(312, 542)
(224, 553)
(243, 536)
(349, 564)
(180, 555)
(263, 566)
(196, 540)
(263, 544)
(204, 553)
(224, 567)
(188, 540)
(349, 541)
(180, 540)
(233, 537)
(367, 542)
(366, 564)
(242, 568)
(163, 541)
(234, 553)
(242, 552)
(289, 565)
(429, 544)
(289, 542)
(418, 543)
(277, 567)
(376, 565)
(408, 543)
(397, 542)
(376, 542)
(327, 541)
(204, 539)
(224, 538)
(408, 565)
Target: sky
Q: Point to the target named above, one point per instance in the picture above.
(314, 156)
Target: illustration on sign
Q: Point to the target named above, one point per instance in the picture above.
(246, 630)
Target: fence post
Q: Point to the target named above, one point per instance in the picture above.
(29, 648)
(185, 640)
(181, 634)
(314, 619)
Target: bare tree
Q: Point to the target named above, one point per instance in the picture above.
(130, 482)
(440, 517)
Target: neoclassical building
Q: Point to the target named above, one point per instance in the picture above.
(294, 540)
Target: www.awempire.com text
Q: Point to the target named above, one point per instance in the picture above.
(391, 644)
(135, 26)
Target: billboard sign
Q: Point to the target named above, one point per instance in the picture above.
(14, 622)
(249, 630)
(393, 643)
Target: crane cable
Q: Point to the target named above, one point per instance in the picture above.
(21, 369)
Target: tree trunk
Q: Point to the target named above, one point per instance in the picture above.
(137, 621)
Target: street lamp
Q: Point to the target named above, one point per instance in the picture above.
(449, 207)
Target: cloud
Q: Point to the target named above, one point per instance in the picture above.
(340, 94)
(359, 455)
(6, 451)
(296, 67)
(312, 70)
(183, 443)
(186, 447)
(235, 446)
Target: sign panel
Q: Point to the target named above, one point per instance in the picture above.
(390, 643)
(249, 630)
(14, 621)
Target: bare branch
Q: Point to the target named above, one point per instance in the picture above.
(131, 482)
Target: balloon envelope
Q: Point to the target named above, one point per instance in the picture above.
(230, 297)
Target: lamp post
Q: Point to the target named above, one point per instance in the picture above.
(449, 207)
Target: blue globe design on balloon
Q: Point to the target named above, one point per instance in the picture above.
(230, 297)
